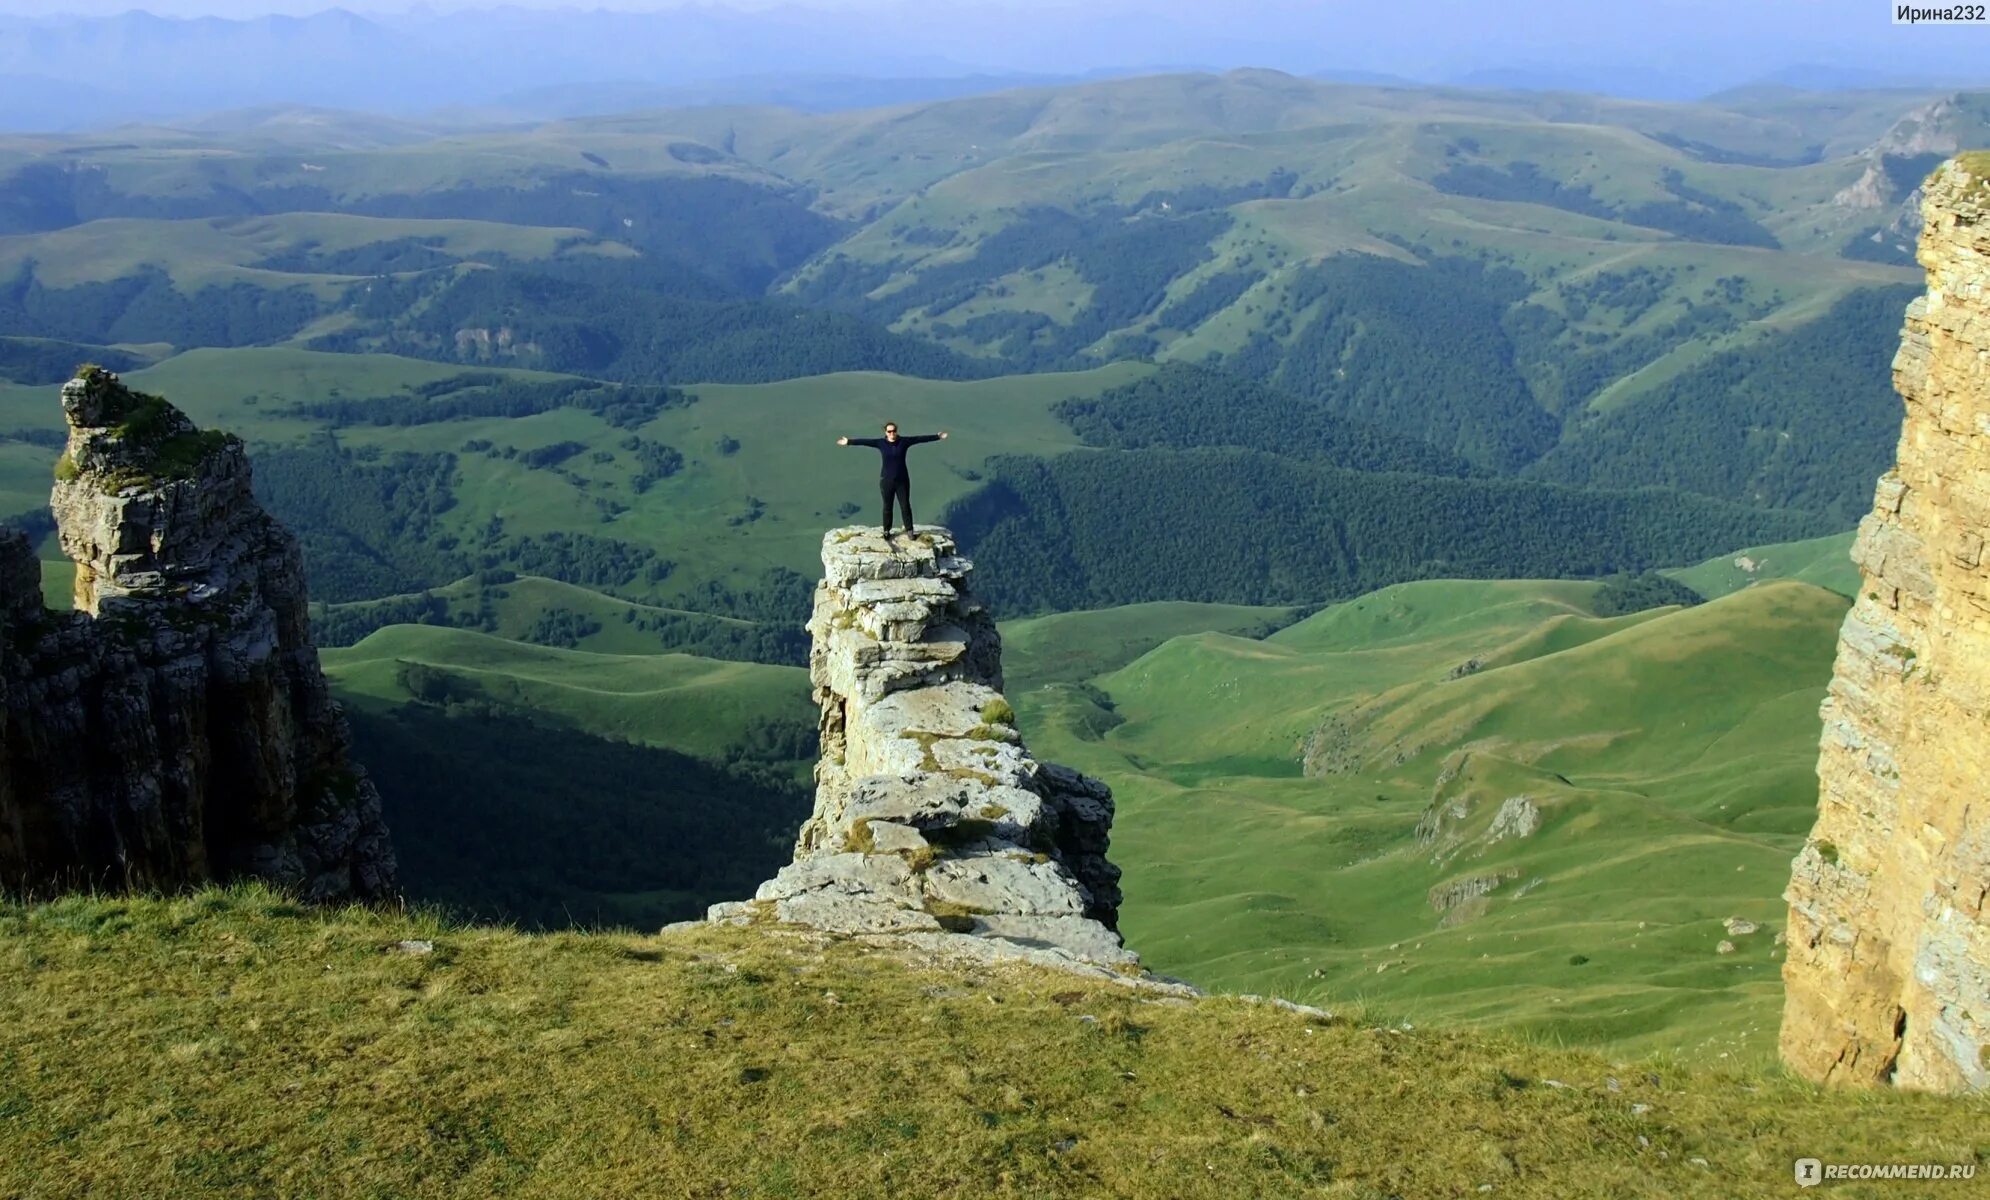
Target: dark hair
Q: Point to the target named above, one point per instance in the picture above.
(891, 424)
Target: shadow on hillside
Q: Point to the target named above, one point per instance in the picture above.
(499, 818)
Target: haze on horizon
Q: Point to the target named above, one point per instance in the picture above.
(1672, 48)
(414, 56)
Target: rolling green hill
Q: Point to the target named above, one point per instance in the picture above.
(700, 706)
(1174, 216)
(1471, 802)
(1450, 282)
(1322, 807)
(1316, 811)
(406, 475)
(1826, 562)
(710, 500)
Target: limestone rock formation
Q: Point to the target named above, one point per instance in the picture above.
(1888, 975)
(930, 816)
(175, 728)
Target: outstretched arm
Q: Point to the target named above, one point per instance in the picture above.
(923, 438)
(849, 441)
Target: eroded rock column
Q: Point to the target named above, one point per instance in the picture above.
(1888, 974)
(930, 814)
(175, 728)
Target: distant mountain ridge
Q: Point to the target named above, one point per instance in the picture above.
(127, 66)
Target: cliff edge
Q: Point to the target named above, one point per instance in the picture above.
(175, 728)
(931, 820)
(1888, 974)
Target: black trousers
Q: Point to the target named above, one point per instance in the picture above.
(902, 489)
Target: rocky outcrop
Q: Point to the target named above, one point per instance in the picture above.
(931, 818)
(1888, 974)
(1942, 126)
(175, 728)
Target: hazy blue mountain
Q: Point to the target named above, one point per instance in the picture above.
(807, 93)
(76, 71)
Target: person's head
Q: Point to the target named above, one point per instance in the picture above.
(891, 431)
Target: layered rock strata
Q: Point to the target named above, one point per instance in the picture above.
(175, 727)
(931, 817)
(1888, 974)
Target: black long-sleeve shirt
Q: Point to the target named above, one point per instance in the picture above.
(893, 452)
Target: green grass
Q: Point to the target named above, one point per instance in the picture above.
(1364, 164)
(1269, 792)
(696, 706)
(1068, 647)
(700, 518)
(228, 1044)
(518, 605)
(221, 251)
(786, 457)
(1826, 562)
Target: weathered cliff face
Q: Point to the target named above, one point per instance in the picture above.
(1888, 975)
(176, 727)
(930, 816)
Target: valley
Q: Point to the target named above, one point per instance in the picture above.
(1427, 507)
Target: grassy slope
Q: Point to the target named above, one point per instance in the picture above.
(693, 705)
(1669, 754)
(518, 605)
(1068, 647)
(1826, 562)
(1365, 166)
(178, 164)
(789, 459)
(858, 158)
(224, 250)
(225, 1044)
(786, 456)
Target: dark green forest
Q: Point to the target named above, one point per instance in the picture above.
(145, 306)
(1624, 594)
(40, 361)
(1692, 213)
(1128, 262)
(1184, 406)
(590, 317)
(485, 394)
(1419, 350)
(1805, 419)
(368, 525)
(1096, 528)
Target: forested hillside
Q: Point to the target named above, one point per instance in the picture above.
(1117, 527)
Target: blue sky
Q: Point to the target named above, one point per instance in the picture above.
(1691, 40)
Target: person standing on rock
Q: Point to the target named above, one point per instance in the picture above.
(892, 479)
